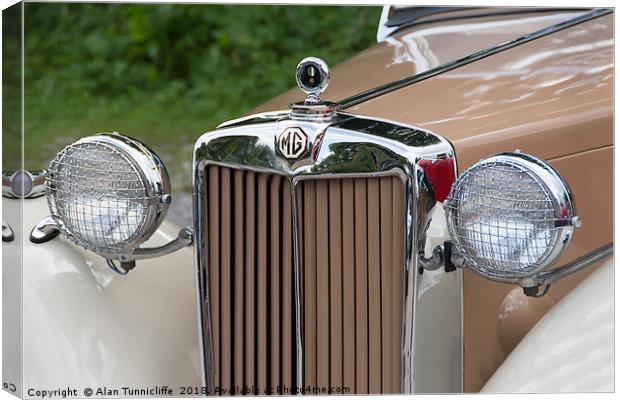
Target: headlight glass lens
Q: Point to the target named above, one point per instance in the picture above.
(100, 196)
(503, 217)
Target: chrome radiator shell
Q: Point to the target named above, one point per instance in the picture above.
(349, 147)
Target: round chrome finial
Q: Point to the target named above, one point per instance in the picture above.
(312, 77)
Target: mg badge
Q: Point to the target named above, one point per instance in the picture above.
(293, 142)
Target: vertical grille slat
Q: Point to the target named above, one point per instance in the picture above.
(239, 279)
(335, 282)
(250, 281)
(322, 284)
(213, 195)
(386, 285)
(310, 284)
(398, 286)
(361, 287)
(225, 287)
(374, 287)
(289, 361)
(261, 289)
(348, 284)
(350, 243)
(274, 316)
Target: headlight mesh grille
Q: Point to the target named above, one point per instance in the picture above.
(502, 218)
(98, 196)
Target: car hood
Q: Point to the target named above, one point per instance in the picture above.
(539, 96)
(419, 48)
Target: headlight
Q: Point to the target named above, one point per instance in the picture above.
(108, 193)
(510, 216)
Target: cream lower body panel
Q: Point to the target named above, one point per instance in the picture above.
(571, 349)
(86, 326)
(438, 327)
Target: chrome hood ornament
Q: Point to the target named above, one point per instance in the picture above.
(312, 76)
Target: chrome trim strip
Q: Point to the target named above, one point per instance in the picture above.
(399, 84)
(184, 238)
(492, 13)
(346, 146)
(202, 283)
(299, 375)
(548, 277)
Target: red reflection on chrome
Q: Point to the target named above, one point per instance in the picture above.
(440, 174)
(317, 145)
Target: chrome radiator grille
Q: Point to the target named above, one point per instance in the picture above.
(350, 239)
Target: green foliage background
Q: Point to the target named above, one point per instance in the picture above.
(165, 73)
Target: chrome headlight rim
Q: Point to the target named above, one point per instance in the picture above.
(152, 173)
(560, 195)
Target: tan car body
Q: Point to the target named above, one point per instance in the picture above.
(551, 97)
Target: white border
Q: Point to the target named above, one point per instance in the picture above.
(565, 3)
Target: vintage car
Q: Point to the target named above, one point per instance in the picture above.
(438, 220)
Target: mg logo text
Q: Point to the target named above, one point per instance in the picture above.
(293, 142)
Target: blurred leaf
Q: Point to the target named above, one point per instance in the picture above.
(139, 26)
